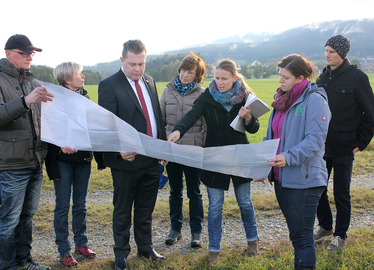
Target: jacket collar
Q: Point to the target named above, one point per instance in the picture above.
(9, 69)
(344, 66)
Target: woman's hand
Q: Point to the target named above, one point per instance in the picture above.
(246, 113)
(262, 180)
(278, 161)
(175, 136)
(68, 150)
(128, 156)
(356, 150)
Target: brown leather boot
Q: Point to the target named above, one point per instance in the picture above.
(252, 248)
(213, 257)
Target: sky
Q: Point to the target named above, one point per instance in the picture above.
(91, 32)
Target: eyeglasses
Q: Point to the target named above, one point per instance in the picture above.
(24, 54)
(188, 72)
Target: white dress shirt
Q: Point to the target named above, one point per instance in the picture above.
(148, 103)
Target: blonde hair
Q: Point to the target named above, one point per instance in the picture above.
(65, 71)
(230, 66)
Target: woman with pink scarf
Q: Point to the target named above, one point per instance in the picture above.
(300, 120)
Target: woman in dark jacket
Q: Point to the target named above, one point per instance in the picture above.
(70, 168)
(221, 102)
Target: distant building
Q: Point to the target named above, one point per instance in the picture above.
(368, 64)
(255, 63)
(210, 70)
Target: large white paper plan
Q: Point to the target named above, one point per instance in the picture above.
(75, 121)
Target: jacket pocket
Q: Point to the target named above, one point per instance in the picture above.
(15, 146)
(344, 96)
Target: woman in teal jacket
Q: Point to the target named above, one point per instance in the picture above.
(300, 120)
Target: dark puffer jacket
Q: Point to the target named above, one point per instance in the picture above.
(351, 103)
(219, 133)
(20, 145)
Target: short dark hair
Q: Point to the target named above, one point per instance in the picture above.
(134, 46)
(190, 61)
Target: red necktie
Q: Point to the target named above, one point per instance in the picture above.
(144, 107)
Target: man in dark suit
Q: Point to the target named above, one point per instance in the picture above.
(132, 96)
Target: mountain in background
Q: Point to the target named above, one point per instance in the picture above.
(308, 40)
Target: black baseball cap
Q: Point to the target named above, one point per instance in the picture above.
(20, 42)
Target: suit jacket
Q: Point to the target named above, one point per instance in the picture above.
(117, 96)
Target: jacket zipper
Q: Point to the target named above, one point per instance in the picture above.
(283, 138)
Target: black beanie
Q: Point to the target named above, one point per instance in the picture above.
(340, 44)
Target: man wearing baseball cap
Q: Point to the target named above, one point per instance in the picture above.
(21, 153)
(351, 129)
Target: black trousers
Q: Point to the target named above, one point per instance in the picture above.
(138, 189)
(192, 175)
(342, 181)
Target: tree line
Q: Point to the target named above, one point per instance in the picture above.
(45, 74)
(164, 68)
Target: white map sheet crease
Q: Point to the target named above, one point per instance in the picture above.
(75, 121)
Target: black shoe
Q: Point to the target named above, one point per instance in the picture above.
(151, 253)
(173, 237)
(195, 240)
(121, 264)
(32, 265)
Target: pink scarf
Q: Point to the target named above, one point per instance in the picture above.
(284, 100)
(282, 103)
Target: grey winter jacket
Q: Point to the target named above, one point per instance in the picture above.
(174, 107)
(20, 145)
(303, 140)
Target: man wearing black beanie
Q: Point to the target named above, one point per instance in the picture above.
(351, 129)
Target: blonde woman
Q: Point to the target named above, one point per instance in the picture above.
(221, 102)
(70, 171)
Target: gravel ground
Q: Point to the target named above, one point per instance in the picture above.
(271, 229)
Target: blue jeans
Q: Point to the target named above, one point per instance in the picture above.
(20, 194)
(77, 176)
(342, 183)
(192, 175)
(299, 207)
(216, 200)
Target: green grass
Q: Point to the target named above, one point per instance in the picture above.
(358, 253)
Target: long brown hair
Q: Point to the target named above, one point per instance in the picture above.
(298, 66)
